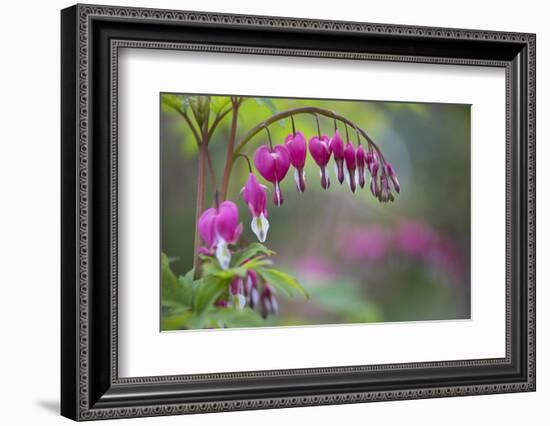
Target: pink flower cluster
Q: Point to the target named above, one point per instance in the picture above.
(219, 227)
(413, 239)
(244, 292)
(273, 164)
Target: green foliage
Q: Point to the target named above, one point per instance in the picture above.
(287, 284)
(209, 289)
(270, 105)
(189, 303)
(174, 102)
(219, 103)
(250, 252)
(176, 292)
(228, 318)
(346, 299)
(176, 321)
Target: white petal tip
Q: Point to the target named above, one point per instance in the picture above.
(223, 254)
(239, 301)
(260, 226)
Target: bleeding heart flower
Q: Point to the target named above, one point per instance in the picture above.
(320, 151)
(336, 145)
(296, 145)
(268, 301)
(251, 288)
(222, 304)
(372, 163)
(351, 165)
(273, 166)
(236, 289)
(255, 198)
(374, 187)
(360, 156)
(385, 194)
(220, 227)
(207, 229)
(393, 176)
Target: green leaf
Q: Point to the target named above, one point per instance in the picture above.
(211, 267)
(252, 250)
(231, 318)
(187, 279)
(258, 262)
(208, 289)
(230, 273)
(282, 281)
(176, 322)
(268, 103)
(175, 102)
(218, 103)
(175, 292)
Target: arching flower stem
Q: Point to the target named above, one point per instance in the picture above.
(318, 125)
(302, 110)
(358, 137)
(316, 111)
(269, 137)
(247, 161)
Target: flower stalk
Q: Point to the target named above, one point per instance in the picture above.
(230, 157)
(199, 208)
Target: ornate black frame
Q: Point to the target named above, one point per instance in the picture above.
(91, 37)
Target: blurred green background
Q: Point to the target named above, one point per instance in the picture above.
(361, 261)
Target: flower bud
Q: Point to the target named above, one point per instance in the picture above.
(393, 176)
(268, 302)
(336, 146)
(360, 158)
(372, 163)
(351, 164)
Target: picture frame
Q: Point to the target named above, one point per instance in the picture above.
(90, 384)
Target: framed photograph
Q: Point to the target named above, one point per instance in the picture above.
(263, 212)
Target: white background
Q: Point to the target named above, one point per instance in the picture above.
(146, 352)
(29, 229)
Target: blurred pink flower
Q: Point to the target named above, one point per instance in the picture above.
(414, 238)
(369, 243)
(315, 267)
(445, 255)
(419, 240)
